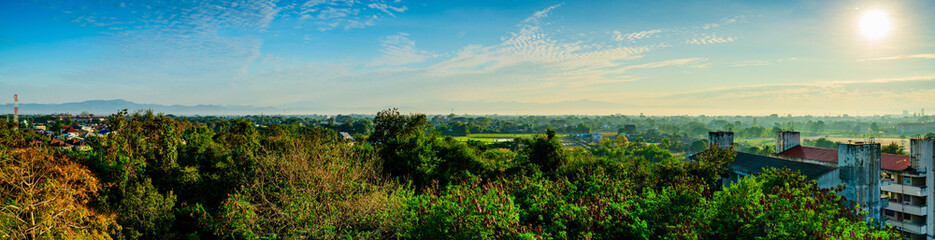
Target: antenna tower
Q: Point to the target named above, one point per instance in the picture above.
(16, 111)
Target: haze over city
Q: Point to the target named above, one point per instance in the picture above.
(477, 57)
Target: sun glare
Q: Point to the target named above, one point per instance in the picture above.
(875, 24)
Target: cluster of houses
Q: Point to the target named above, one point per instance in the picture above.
(72, 137)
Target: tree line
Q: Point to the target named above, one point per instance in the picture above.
(161, 177)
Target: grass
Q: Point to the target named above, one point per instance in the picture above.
(755, 141)
(490, 137)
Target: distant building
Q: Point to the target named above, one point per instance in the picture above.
(589, 137)
(915, 128)
(87, 119)
(71, 132)
(346, 135)
(71, 144)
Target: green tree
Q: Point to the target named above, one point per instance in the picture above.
(621, 140)
(699, 145)
(893, 148)
(546, 152)
(782, 204)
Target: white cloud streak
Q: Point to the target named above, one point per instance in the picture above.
(901, 57)
(752, 63)
(347, 14)
(618, 36)
(399, 50)
(709, 39)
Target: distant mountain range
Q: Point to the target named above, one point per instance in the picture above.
(107, 107)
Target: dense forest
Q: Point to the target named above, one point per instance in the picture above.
(164, 177)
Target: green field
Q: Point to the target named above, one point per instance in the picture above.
(489, 137)
(756, 141)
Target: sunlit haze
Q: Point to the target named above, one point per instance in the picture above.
(477, 57)
(874, 24)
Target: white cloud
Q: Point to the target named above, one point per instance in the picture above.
(762, 62)
(871, 96)
(399, 50)
(387, 8)
(532, 45)
(534, 19)
(347, 14)
(618, 36)
(708, 39)
(180, 38)
(901, 57)
(666, 63)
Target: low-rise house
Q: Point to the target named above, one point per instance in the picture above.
(346, 136)
(58, 143)
(589, 137)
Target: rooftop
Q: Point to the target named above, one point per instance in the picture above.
(754, 164)
(887, 161)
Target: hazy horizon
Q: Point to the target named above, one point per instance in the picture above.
(821, 58)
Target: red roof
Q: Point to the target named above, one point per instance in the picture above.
(894, 161)
(887, 161)
(814, 153)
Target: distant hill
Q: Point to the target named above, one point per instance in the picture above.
(107, 107)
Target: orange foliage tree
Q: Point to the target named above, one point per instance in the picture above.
(44, 194)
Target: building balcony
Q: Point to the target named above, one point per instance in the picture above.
(886, 182)
(906, 226)
(906, 208)
(912, 190)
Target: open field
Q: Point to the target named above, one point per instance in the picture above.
(771, 141)
(883, 141)
(755, 141)
(491, 137)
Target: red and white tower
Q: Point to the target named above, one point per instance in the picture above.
(16, 110)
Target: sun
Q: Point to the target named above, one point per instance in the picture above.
(875, 24)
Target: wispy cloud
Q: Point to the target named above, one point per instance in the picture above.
(179, 38)
(708, 39)
(618, 36)
(913, 56)
(666, 63)
(778, 87)
(399, 50)
(534, 18)
(725, 21)
(347, 14)
(836, 97)
(751, 63)
(533, 45)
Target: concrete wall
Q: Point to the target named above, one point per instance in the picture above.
(829, 180)
(723, 140)
(920, 152)
(786, 140)
(922, 160)
(859, 170)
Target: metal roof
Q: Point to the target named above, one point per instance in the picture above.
(754, 164)
(887, 161)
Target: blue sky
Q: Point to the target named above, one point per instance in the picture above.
(478, 57)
